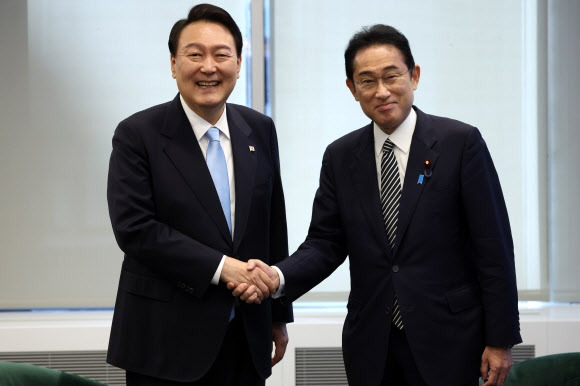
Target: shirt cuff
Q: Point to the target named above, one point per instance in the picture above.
(280, 292)
(216, 277)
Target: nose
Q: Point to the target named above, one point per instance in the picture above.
(382, 90)
(208, 64)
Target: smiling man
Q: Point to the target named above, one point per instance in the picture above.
(194, 191)
(415, 202)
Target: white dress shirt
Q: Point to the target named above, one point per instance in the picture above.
(401, 138)
(200, 127)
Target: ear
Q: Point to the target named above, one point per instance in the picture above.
(416, 76)
(352, 88)
(173, 70)
(239, 64)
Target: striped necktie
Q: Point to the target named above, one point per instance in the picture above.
(390, 196)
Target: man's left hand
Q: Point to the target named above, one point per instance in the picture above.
(496, 363)
(279, 341)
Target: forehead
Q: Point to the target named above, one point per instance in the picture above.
(378, 57)
(207, 34)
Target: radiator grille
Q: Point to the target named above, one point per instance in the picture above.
(89, 364)
(522, 352)
(320, 367)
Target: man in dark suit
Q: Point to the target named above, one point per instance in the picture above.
(433, 296)
(188, 225)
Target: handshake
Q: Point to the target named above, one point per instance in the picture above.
(252, 282)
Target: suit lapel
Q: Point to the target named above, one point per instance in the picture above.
(424, 139)
(245, 162)
(364, 172)
(184, 152)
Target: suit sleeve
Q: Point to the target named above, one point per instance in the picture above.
(139, 233)
(493, 252)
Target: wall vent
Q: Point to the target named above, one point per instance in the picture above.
(90, 364)
(320, 366)
(521, 352)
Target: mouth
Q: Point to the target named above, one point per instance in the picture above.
(208, 84)
(386, 106)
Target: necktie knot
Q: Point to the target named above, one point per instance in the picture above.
(388, 145)
(213, 134)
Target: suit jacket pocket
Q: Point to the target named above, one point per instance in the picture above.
(463, 298)
(146, 286)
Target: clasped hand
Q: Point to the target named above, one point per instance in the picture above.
(253, 281)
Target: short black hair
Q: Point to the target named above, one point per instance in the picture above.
(206, 12)
(378, 34)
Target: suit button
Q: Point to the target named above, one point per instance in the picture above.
(395, 268)
(388, 311)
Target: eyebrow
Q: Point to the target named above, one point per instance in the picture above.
(197, 45)
(388, 68)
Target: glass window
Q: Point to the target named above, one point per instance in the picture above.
(73, 70)
(477, 67)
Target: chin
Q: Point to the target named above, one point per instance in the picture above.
(211, 102)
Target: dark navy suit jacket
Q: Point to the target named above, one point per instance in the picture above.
(169, 320)
(452, 266)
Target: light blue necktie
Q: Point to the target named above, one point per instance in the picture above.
(216, 163)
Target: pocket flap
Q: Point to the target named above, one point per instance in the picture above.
(463, 298)
(146, 286)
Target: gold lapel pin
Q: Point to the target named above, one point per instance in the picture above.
(428, 170)
(252, 149)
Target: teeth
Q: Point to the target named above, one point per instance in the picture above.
(207, 84)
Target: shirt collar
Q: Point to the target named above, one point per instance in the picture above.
(200, 125)
(401, 137)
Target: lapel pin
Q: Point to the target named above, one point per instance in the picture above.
(420, 180)
(252, 149)
(428, 170)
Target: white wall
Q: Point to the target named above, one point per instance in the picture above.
(564, 139)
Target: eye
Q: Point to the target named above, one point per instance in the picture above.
(367, 81)
(222, 56)
(392, 79)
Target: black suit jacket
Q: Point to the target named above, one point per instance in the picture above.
(169, 320)
(452, 266)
